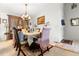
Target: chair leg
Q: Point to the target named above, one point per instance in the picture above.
(47, 49)
(17, 47)
(41, 52)
(14, 45)
(22, 52)
(18, 53)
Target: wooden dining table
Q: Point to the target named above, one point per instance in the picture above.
(30, 35)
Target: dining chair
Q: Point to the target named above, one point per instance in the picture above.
(44, 40)
(19, 44)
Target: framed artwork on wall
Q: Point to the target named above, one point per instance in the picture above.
(62, 22)
(41, 20)
(74, 5)
(75, 21)
(4, 20)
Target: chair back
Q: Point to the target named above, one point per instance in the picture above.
(17, 41)
(45, 38)
(16, 36)
(45, 34)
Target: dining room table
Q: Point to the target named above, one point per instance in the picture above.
(30, 35)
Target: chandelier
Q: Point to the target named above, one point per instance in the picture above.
(25, 16)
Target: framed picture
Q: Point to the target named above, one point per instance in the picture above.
(62, 22)
(74, 5)
(75, 21)
(41, 20)
(4, 20)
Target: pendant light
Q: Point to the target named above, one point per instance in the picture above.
(25, 16)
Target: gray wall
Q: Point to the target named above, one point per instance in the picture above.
(70, 32)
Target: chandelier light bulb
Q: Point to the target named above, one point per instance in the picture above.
(25, 16)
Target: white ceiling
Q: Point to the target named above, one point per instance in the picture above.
(13, 8)
(19, 8)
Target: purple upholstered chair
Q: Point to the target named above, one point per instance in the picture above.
(44, 40)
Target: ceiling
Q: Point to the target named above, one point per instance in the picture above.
(12, 8)
(19, 8)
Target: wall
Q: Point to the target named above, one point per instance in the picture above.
(2, 25)
(53, 13)
(70, 32)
